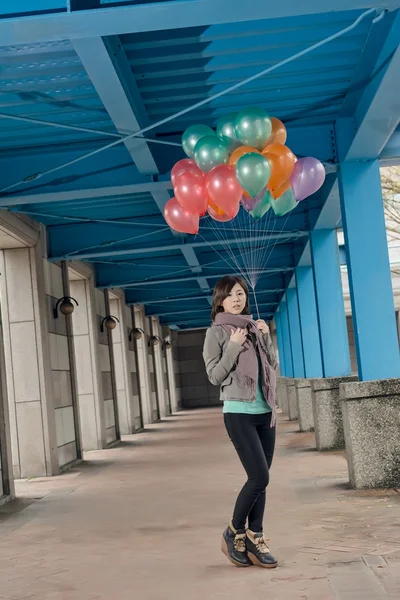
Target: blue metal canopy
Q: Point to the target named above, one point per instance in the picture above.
(77, 75)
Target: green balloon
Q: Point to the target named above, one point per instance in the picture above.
(192, 135)
(284, 203)
(253, 127)
(209, 152)
(226, 131)
(262, 206)
(253, 172)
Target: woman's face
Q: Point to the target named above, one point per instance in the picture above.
(236, 301)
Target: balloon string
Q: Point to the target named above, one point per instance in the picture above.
(206, 100)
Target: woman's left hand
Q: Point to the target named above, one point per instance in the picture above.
(262, 326)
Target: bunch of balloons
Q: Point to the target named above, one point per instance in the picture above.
(244, 163)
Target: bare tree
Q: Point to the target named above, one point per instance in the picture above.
(390, 178)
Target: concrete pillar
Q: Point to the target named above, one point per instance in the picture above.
(107, 369)
(7, 490)
(330, 303)
(292, 399)
(283, 395)
(328, 421)
(25, 306)
(85, 328)
(305, 405)
(143, 364)
(376, 340)
(170, 365)
(123, 376)
(309, 322)
(295, 332)
(371, 418)
(157, 353)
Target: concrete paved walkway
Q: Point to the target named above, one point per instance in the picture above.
(144, 520)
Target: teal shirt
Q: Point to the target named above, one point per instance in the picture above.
(258, 407)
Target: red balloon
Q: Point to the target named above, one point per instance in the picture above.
(180, 219)
(186, 165)
(190, 191)
(216, 215)
(224, 189)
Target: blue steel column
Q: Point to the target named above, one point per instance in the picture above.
(330, 303)
(279, 337)
(309, 322)
(368, 264)
(287, 344)
(295, 333)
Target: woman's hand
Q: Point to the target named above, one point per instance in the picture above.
(262, 326)
(239, 336)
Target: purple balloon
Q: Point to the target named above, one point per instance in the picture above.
(249, 204)
(307, 177)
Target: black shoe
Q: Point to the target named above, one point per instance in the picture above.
(258, 551)
(234, 547)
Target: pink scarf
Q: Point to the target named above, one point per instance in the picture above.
(247, 368)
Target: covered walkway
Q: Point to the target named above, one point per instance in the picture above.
(145, 518)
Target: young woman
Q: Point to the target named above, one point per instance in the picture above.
(239, 356)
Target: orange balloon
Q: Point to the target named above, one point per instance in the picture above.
(238, 153)
(281, 189)
(281, 160)
(278, 133)
(216, 208)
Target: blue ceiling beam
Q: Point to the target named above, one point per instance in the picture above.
(58, 247)
(150, 282)
(165, 15)
(144, 184)
(377, 115)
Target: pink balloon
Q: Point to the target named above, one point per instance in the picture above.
(224, 189)
(307, 177)
(180, 219)
(186, 165)
(221, 218)
(190, 191)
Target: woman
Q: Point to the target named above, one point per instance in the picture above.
(239, 356)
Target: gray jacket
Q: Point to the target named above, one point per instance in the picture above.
(220, 357)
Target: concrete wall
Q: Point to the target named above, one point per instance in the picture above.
(196, 390)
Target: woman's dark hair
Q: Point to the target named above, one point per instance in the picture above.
(222, 290)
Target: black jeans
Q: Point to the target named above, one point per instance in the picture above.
(254, 441)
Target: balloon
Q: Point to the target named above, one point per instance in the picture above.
(253, 173)
(278, 133)
(216, 208)
(249, 203)
(224, 189)
(192, 135)
(307, 177)
(281, 189)
(262, 206)
(222, 218)
(190, 191)
(282, 161)
(253, 127)
(180, 219)
(186, 165)
(239, 152)
(284, 204)
(226, 131)
(209, 152)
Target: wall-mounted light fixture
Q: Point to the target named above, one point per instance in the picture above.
(154, 340)
(136, 333)
(65, 306)
(109, 322)
(167, 345)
